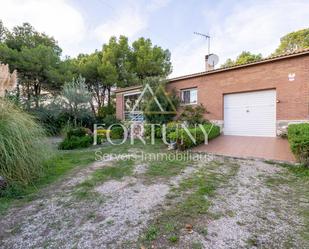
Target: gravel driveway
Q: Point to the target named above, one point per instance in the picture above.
(246, 212)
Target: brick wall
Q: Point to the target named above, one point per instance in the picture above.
(119, 106)
(293, 95)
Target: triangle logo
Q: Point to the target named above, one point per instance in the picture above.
(155, 99)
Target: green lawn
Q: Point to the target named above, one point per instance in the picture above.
(56, 167)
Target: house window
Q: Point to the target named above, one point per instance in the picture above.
(189, 96)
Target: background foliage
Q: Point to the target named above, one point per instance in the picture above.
(289, 43)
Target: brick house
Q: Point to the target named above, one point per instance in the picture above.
(254, 99)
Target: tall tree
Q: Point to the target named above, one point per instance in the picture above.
(243, 58)
(293, 41)
(88, 66)
(26, 36)
(117, 58)
(36, 57)
(3, 32)
(149, 60)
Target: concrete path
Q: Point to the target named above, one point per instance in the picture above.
(269, 148)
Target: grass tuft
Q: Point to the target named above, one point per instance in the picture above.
(195, 192)
(23, 146)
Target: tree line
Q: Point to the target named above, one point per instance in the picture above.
(289, 43)
(43, 72)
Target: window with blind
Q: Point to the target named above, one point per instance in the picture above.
(189, 96)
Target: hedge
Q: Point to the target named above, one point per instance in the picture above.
(183, 141)
(298, 136)
(117, 132)
(76, 142)
(79, 137)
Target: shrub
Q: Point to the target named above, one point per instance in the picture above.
(117, 132)
(298, 136)
(75, 142)
(76, 138)
(170, 127)
(147, 130)
(47, 119)
(103, 132)
(101, 135)
(54, 118)
(109, 120)
(77, 132)
(106, 110)
(157, 131)
(23, 148)
(168, 102)
(183, 140)
(193, 115)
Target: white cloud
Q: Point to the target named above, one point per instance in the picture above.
(56, 18)
(255, 27)
(188, 57)
(75, 32)
(127, 21)
(157, 4)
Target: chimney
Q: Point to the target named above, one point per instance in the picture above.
(208, 67)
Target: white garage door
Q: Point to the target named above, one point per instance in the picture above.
(250, 114)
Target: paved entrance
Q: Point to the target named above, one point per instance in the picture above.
(269, 148)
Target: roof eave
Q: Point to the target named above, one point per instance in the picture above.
(219, 70)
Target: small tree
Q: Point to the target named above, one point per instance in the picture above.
(168, 102)
(75, 97)
(193, 115)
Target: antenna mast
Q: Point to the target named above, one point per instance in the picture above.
(207, 38)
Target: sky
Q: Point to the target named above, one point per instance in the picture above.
(82, 26)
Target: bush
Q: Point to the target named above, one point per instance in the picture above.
(106, 110)
(77, 132)
(101, 135)
(193, 115)
(76, 142)
(170, 127)
(168, 101)
(54, 118)
(76, 138)
(298, 136)
(117, 132)
(183, 140)
(157, 131)
(109, 120)
(23, 148)
(47, 119)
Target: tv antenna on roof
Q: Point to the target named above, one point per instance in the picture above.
(207, 38)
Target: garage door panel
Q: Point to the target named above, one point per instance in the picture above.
(250, 114)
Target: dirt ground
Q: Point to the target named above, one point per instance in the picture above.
(248, 211)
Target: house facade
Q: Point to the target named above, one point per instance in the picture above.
(254, 99)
